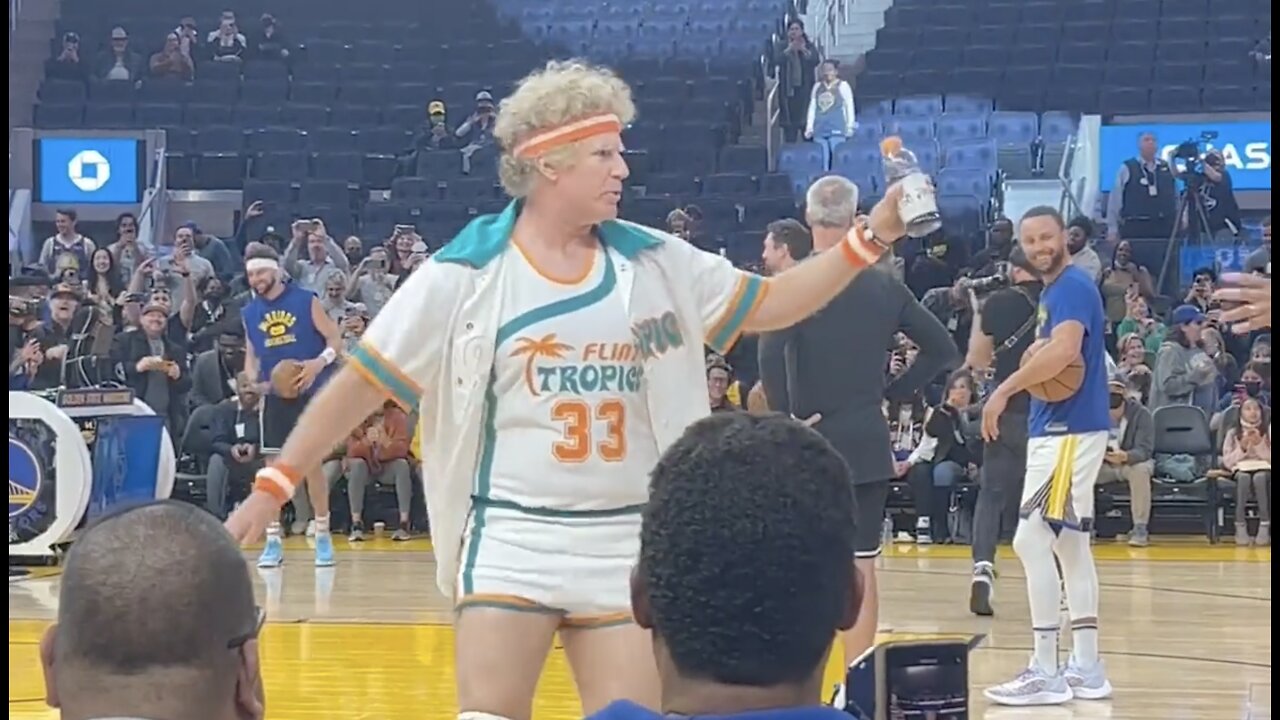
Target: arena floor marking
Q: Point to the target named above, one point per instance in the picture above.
(1186, 633)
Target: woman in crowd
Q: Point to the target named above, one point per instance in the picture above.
(1182, 368)
(105, 285)
(1247, 455)
(1139, 322)
(1123, 280)
(952, 431)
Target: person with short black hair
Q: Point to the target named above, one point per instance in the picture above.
(1066, 452)
(1079, 243)
(786, 242)
(746, 570)
(156, 619)
(1004, 328)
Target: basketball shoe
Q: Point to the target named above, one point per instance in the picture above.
(1087, 683)
(273, 554)
(324, 549)
(982, 589)
(1032, 686)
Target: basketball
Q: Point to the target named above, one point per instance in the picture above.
(284, 378)
(1062, 387)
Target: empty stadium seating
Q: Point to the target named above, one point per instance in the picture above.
(1108, 56)
(316, 135)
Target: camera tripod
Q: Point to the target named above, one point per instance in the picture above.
(1197, 231)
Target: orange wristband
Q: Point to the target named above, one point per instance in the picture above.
(279, 481)
(859, 251)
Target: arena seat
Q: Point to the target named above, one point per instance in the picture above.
(357, 84)
(1091, 45)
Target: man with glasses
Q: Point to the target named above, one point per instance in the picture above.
(156, 619)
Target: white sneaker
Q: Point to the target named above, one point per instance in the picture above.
(1087, 683)
(1032, 686)
(311, 528)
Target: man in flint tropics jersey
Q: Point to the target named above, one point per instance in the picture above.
(554, 352)
(1065, 452)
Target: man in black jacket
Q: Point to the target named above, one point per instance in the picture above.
(830, 371)
(237, 444)
(1002, 331)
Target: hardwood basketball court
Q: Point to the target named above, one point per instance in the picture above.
(1186, 633)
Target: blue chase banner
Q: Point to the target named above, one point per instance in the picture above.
(1246, 146)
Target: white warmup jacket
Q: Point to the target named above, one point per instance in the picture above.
(433, 347)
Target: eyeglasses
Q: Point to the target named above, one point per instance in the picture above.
(259, 619)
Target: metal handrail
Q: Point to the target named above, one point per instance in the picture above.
(148, 217)
(1063, 168)
(773, 114)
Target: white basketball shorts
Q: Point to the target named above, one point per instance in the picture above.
(575, 565)
(1062, 471)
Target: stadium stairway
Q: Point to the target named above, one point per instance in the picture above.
(857, 36)
(28, 49)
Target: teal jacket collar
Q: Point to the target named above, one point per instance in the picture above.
(486, 237)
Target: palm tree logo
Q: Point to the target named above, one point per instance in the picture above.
(548, 347)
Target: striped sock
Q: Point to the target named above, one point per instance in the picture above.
(1084, 641)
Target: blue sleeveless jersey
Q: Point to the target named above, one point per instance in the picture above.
(1075, 297)
(282, 329)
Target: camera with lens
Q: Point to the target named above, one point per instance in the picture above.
(981, 286)
(21, 307)
(1191, 152)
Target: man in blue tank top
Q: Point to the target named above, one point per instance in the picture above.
(283, 322)
(1065, 453)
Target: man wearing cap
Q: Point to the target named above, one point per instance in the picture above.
(26, 303)
(1182, 368)
(436, 135)
(119, 62)
(1002, 331)
(155, 367)
(55, 336)
(68, 65)
(1130, 455)
(477, 131)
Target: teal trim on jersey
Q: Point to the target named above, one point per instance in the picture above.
(387, 377)
(732, 328)
(554, 513)
(488, 236)
(506, 332)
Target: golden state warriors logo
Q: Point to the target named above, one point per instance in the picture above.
(25, 478)
(551, 366)
(277, 326)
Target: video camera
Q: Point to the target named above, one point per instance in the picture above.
(1191, 152)
(982, 286)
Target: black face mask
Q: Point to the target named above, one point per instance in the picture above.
(1117, 402)
(1253, 388)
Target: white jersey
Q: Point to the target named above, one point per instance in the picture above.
(567, 425)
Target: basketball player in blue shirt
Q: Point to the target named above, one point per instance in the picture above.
(1065, 452)
(285, 321)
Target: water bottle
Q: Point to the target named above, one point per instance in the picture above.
(919, 204)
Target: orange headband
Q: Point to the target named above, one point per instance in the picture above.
(544, 142)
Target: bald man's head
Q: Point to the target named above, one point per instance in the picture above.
(156, 607)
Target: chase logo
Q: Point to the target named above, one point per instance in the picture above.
(89, 170)
(25, 478)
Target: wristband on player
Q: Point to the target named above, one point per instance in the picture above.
(279, 481)
(329, 356)
(862, 248)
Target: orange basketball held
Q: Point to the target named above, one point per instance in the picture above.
(284, 378)
(1062, 387)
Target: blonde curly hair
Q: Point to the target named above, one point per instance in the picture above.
(558, 94)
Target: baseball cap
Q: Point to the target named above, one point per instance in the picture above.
(119, 33)
(65, 289)
(1186, 315)
(484, 96)
(71, 37)
(435, 107)
(155, 307)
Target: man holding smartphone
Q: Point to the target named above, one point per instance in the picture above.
(371, 285)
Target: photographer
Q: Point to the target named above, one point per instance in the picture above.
(1219, 199)
(1003, 329)
(477, 131)
(26, 304)
(370, 285)
(1144, 200)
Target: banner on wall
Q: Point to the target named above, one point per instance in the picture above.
(89, 170)
(1246, 146)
